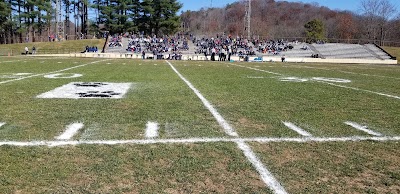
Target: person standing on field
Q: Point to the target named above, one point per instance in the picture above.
(26, 50)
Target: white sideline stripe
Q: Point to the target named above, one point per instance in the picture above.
(221, 121)
(270, 72)
(1, 124)
(200, 140)
(58, 71)
(297, 129)
(341, 86)
(266, 176)
(362, 128)
(10, 61)
(348, 72)
(151, 130)
(70, 131)
(358, 89)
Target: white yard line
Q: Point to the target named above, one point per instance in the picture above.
(270, 72)
(151, 130)
(1, 124)
(221, 121)
(341, 86)
(22, 78)
(70, 131)
(266, 176)
(348, 72)
(362, 128)
(200, 140)
(10, 61)
(358, 89)
(297, 129)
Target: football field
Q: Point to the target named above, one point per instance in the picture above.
(76, 125)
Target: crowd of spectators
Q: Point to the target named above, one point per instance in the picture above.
(115, 41)
(169, 47)
(90, 49)
(274, 47)
(224, 47)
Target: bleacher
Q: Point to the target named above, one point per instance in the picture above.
(350, 51)
(377, 51)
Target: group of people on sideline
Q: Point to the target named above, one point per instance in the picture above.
(26, 50)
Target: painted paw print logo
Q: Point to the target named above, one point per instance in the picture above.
(89, 90)
(98, 94)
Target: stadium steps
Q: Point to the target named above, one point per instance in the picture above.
(315, 50)
(372, 52)
(377, 51)
(119, 49)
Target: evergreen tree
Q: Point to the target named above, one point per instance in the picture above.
(315, 30)
(165, 19)
(146, 19)
(5, 14)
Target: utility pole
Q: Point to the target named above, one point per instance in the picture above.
(247, 23)
(59, 22)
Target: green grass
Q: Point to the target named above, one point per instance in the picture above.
(358, 167)
(64, 47)
(394, 51)
(196, 168)
(254, 108)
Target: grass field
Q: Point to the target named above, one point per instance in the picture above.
(198, 127)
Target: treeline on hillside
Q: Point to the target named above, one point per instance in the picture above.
(144, 16)
(34, 20)
(272, 19)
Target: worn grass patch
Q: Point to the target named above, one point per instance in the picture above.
(190, 168)
(351, 167)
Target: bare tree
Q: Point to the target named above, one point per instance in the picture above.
(377, 14)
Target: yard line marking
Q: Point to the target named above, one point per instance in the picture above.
(58, 71)
(341, 86)
(70, 131)
(358, 89)
(151, 130)
(1, 124)
(348, 72)
(200, 140)
(297, 129)
(266, 176)
(270, 72)
(10, 61)
(221, 121)
(362, 128)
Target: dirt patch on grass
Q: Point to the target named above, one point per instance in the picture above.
(346, 167)
(189, 168)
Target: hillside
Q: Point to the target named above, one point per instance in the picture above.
(272, 19)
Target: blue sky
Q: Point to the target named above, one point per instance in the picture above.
(352, 5)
